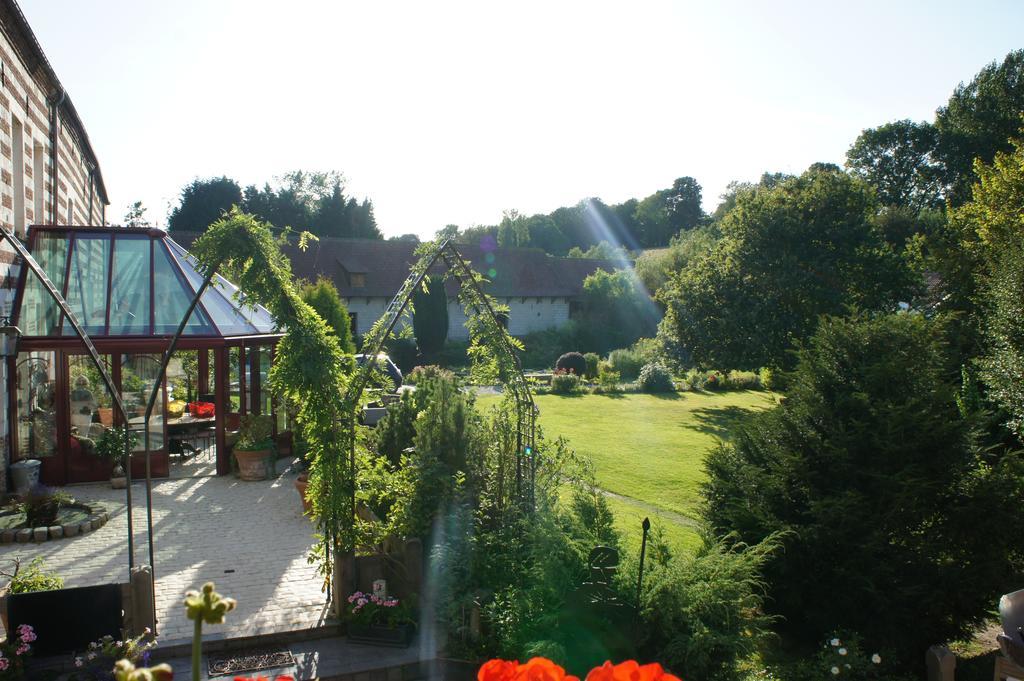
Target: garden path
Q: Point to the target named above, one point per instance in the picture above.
(249, 538)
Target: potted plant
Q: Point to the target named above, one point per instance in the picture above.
(23, 581)
(111, 446)
(301, 484)
(255, 446)
(380, 620)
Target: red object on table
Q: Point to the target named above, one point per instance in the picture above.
(201, 410)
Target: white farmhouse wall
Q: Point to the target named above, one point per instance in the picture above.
(526, 315)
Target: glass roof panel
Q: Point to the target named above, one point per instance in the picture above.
(173, 296)
(139, 280)
(130, 285)
(39, 314)
(87, 283)
(232, 318)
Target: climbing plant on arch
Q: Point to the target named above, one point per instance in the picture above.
(309, 369)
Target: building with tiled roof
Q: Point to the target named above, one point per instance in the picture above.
(540, 290)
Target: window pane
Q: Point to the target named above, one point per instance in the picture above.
(90, 404)
(36, 406)
(129, 293)
(87, 283)
(138, 373)
(39, 313)
(173, 297)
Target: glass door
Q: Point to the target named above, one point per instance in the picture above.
(90, 413)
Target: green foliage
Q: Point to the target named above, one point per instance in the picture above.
(42, 504)
(369, 610)
(655, 267)
(430, 316)
(655, 378)
(112, 443)
(313, 201)
(542, 348)
(255, 433)
(789, 253)
(703, 614)
(616, 311)
(323, 297)
(402, 352)
(627, 362)
(898, 160)
(592, 359)
(33, 578)
(993, 235)
(978, 121)
(202, 202)
(565, 384)
(869, 471)
(572, 363)
(608, 379)
(309, 365)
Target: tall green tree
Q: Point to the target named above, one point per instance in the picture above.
(894, 525)
(992, 229)
(979, 120)
(616, 311)
(804, 247)
(899, 160)
(323, 297)
(430, 316)
(202, 202)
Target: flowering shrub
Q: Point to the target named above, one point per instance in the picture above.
(842, 658)
(563, 383)
(99, 657)
(14, 651)
(542, 669)
(279, 677)
(572, 363)
(371, 609)
(656, 378)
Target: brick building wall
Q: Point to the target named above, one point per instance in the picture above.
(48, 171)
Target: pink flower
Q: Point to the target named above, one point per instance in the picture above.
(22, 649)
(28, 636)
(4, 663)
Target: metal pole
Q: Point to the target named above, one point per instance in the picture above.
(157, 384)
(643, 550)
(40, 273)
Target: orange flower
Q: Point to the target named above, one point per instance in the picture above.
(497, 670)
(542, 669)
(537, 669)
(630, 670)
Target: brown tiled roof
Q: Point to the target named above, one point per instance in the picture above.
(384, 265)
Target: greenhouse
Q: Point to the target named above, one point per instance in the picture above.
(130, 289)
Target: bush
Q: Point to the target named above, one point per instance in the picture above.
(655, 378)
(593, 359)
(565, 384)
(712, 381)
(542, 348)
(886, 504)
(572, 362)
(609, 380)
(402, 352)
(703, 614)
(42, 504)
(627, 362)
(33, 578)
(743, 380)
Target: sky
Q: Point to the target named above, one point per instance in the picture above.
(449, 112)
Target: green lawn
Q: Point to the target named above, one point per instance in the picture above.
(649, 449)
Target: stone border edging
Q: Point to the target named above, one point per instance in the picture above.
(98, 517)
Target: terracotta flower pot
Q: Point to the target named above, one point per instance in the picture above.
(252, 465)
(301, 483)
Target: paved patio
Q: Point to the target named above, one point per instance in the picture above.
(249, 538)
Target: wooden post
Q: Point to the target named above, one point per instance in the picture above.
(220, 388)
(941, 663)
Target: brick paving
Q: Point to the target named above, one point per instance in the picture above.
(249, 538)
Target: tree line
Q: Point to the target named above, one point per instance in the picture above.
(311, 201)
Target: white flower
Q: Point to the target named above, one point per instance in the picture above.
(835, 671)
(876, 658)
(79, 662)
(841, 651)
(834, 642)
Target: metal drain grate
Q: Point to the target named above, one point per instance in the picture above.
(249, 661)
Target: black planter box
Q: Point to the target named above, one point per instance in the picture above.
(379, 635)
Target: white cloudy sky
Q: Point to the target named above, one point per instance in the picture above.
(451, 112)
